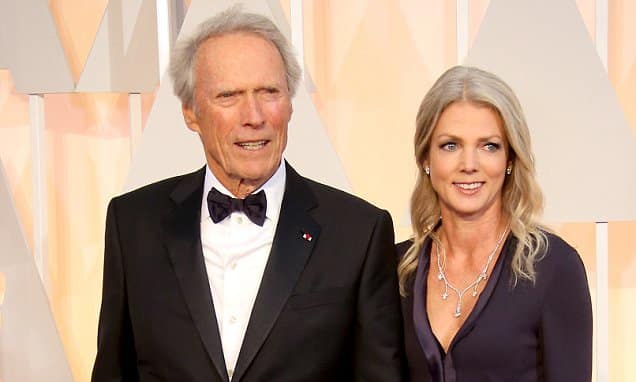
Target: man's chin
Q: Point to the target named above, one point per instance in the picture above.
(256, 177)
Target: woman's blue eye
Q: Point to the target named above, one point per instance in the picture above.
(449, 146)
(492, 146)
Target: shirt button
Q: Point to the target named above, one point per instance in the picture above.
(233, 266)
(230, 372)
(239, 219)
(232, 319)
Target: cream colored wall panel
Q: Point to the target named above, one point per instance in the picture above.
(622, 333)
(585, 151)
(623, 28)
(431, 18)
(622, 55)
(30, 348)
(30, 48)
(168, 148)
(124, 56)
(309, 149)
(77, 23)
(370, 78)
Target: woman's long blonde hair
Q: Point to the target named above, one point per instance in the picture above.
(522, 197)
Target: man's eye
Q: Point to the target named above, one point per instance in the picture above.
(269, 92)
(449, 146)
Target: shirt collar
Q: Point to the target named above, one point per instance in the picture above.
(274, 189)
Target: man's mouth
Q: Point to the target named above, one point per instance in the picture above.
(253, 145)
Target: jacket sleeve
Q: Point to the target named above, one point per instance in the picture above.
(116, 358)
(566, 322)
(379, 351)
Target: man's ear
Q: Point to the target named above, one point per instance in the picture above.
(190, 118)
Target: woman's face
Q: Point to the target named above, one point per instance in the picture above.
(468, 156)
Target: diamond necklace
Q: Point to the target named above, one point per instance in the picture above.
(474, 285)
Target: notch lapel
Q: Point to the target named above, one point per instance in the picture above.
(182, 237)
(287, 259)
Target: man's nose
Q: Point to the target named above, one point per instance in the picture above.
(252, 111)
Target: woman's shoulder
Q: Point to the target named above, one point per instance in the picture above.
(558, 247)
(559, 255)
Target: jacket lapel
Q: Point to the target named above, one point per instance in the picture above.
(182, 239)
(427, 340)
(295, 238)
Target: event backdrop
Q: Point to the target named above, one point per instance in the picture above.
(86, 112)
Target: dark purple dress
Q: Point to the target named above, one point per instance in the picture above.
(526, 333)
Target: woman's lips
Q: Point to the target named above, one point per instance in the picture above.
(468, 188)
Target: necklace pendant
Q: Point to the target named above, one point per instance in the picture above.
(483, 275)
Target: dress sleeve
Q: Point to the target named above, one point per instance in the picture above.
(116, 358)
(566, 319)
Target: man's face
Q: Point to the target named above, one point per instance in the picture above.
(241, 109)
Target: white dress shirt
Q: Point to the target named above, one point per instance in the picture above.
(236, 252)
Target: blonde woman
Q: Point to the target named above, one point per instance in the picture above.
(488, 293)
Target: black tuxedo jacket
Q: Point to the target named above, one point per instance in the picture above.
(327, 308)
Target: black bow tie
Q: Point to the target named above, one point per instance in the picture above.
(221, 206)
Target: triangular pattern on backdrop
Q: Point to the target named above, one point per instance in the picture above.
(376, 142)
(124, 55)
(347, 27)
(30, 347)
(30, 48)
(168, 148)
(77, 23)
(584, 149)
(441, 18)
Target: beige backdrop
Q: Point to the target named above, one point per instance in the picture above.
(369, 62)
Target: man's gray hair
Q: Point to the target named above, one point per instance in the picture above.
(232, 20)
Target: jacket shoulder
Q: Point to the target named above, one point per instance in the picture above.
(559, 262)
(559, 251)
(403, 246)
(330, 196)
(152, 193)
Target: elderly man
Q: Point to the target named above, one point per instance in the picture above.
(244, 270)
